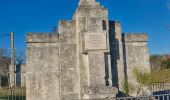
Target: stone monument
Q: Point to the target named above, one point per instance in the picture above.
(83, 60)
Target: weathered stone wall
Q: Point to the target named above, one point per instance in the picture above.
(128, 51)
(42, 66)
(52, 60)
(94, 62)
(86, 59)
(116, 49)
(23, 75)
(35, 38)
(70, 79)
(11, 75)
(137, 55)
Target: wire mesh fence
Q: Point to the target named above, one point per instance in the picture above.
(13, 94)
(153, 97)
(20, 94)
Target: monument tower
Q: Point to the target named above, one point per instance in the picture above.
(86, 59)
(92, 29)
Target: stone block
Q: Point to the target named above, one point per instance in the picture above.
(67, 30)
(142, 37)
(69, 83)
(42, 59)
(68, 56)
(96, 68)
(43, 86)
(41, 37)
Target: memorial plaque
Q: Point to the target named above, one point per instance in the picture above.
(95, 41)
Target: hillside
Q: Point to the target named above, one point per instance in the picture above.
(161, 76)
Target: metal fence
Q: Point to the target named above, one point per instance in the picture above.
(153, 97)
(13, 94)
(160, 86)
(20, 94)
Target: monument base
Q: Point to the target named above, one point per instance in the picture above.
(100, 92)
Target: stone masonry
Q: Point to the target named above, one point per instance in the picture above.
(88, 58)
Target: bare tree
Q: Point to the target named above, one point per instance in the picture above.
(19, 57)
(54, 29)
(4, 66)
(5, 61)
(19, 61)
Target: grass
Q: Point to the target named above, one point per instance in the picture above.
(13, 94)
(14, 97)
(161, 76)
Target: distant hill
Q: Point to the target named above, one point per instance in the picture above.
(161, 76)
(159, 62)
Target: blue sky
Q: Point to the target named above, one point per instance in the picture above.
(136, 16)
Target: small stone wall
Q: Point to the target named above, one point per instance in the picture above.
(136, 55)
